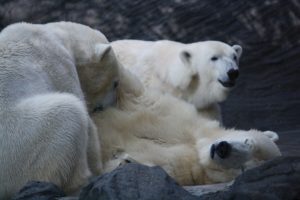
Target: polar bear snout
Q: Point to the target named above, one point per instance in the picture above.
(222, 149)
(233, 74)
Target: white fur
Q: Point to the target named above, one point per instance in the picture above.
(50, 76)
(183, 70)
(158, 129)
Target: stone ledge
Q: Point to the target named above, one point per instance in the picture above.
(277, 179)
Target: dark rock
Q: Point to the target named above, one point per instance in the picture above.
(199, 190)
(134, 181)
(36, 190)
(278, 179)
(289, 142)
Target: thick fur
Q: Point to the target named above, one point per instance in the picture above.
(158, 129)
(51, 77)
(187, 71)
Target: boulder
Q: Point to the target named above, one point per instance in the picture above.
(135, 181)
(278, 179)
(36, 190)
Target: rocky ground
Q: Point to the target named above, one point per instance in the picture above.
(275, 180)
(268, 91)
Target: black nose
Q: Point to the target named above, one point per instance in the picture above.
(233, 74)
(223, 149)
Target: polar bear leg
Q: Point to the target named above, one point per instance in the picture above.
(94, 149)
(47, 141)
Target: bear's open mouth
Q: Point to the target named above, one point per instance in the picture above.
(227, 84)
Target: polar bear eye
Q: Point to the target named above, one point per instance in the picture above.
(235, 57)
(187, 55)
(214, 58)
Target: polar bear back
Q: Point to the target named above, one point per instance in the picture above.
(32, 56)
(137, 55)
(31, 59)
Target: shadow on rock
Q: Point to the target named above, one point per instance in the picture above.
(278, 179)
(36, 190)
(134, 181)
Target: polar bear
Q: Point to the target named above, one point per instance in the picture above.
(159, 129)
(201, 73)
(51, 77)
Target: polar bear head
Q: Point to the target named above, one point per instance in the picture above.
(213, 70)
(235, 151)
(99, 78)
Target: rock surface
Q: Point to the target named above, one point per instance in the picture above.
(134, 181)
(278, 179)
(37, 190)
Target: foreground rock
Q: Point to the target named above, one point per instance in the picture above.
(278, 179)
(37, 190)
(134, 181)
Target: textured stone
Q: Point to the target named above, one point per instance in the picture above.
(199, 190)
(36, 190)
(278, 179)
(134, 181)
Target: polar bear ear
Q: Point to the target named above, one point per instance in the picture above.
(238, 49)
(185, 56)
(272, 135)
(101, 50)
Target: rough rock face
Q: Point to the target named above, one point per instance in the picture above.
(278, 179)
(134, 181)
(37, 190)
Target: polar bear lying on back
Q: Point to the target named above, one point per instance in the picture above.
(51, 76)
(158, 129)
(201, 73)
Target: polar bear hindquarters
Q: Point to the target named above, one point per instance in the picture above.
(53, 147)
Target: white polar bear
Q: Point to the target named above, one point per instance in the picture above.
(159, 129)
(48, 73)
(201, 73)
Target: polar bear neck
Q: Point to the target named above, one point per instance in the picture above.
(212, 111)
